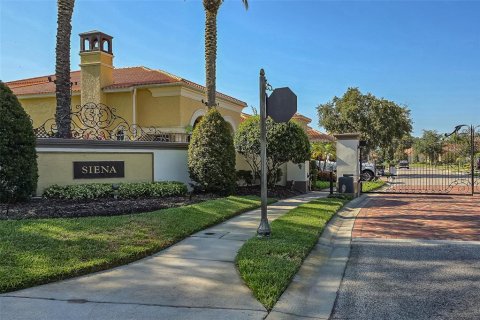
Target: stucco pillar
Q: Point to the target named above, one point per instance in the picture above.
(348, 159)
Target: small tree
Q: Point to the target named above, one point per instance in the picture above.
(285, 142)
(430, 145)
(18, 159)
(211, 155)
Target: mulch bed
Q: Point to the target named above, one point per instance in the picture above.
(51, 208)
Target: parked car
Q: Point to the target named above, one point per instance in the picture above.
(403, 164)
(369, 171)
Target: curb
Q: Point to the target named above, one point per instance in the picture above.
(313, 291)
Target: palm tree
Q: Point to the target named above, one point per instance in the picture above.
(211, 9)
(62, 67)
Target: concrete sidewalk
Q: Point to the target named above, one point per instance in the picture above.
(194, 279)
(313, 291)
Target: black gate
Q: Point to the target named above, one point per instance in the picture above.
(453, 168)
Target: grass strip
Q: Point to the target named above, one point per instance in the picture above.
(368, 186)
(268, 265)
(38, 251)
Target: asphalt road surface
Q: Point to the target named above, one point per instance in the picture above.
(389, 279)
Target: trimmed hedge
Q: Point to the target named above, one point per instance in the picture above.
(125, 190)
(18, 158)
(211, 155)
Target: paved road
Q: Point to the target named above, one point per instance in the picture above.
(413, 257)
(431, 180)
(410, 280)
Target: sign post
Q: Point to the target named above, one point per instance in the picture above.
(280, 106)
(264, 227)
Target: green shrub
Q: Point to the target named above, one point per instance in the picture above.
(211, 155)
(125, 191)
(285, 142)
(246, 176)
(325, 176)
(18, 158)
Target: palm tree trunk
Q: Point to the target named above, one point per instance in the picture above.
(62, 67)
(211, 10)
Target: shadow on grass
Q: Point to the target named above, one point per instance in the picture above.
(38, 251)
(268, 265)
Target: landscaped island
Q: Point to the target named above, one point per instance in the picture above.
(36, 251)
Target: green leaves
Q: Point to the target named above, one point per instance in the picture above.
(211, 155)
(125, 191)
(36, 251)
(18, 158)
(430, 144)
(379, 121)
(285, 142)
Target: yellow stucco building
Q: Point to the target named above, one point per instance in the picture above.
(142, 96)
(144, 100)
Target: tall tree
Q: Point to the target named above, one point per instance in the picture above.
(211, 10)
(379, 121)
(62, 67)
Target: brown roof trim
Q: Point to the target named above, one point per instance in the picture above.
(93, 144)
(346, 136)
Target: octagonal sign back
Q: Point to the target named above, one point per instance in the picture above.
(282, 104)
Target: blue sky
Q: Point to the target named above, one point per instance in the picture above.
(424, 54)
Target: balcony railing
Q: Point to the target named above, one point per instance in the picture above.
(100, 122)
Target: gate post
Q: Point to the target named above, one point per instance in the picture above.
(348, 159)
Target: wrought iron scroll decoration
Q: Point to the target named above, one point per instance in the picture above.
(101, 122)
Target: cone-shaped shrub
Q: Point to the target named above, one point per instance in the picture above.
(18, 159)
(211, 155)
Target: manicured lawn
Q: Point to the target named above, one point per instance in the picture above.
(39, 251)
(268, 265)
(368, 186)
(322, 185)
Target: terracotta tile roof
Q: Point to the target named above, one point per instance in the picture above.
(41, 85)
(122, 78)
(244, 116)
(301, 117)
(317, 136)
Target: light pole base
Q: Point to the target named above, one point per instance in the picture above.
(264, 229)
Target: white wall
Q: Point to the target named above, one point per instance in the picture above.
(171, 165)
(297, 172)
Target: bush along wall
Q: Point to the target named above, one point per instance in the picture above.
(18, 158)
(211, 155)
(125, 190)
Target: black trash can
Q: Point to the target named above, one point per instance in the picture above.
(345, 184)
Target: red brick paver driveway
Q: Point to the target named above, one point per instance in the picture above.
(420, 217)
